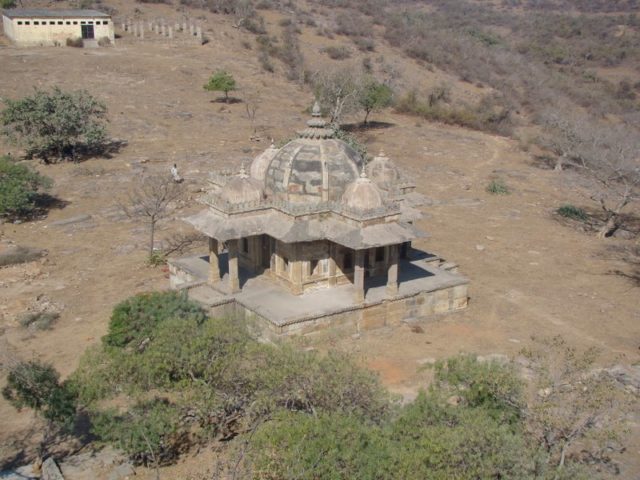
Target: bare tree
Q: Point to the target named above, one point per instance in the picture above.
(151, 200)
(338, 91)
(608, 153)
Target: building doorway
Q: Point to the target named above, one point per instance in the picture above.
(87, 31)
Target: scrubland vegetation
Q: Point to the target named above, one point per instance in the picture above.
(167, 378)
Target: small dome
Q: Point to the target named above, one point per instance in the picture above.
(363, 195)
(259, 166)
(242, 189)
(383, 171)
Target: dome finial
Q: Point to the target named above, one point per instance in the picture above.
(243, 171)
(363, 171)
(316, 111)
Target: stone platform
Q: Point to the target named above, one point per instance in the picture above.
(427, 286)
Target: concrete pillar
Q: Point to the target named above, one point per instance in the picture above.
(234, 273)
(214, 261)
(358, 276)
(392, 271)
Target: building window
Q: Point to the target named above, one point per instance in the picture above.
(75, 22)
(19, 23)
(83, 23)
(27, 23)
(52, 23)
(91, 22)
(68, 22)
(106, 22)
(60, 23)
(36, 23)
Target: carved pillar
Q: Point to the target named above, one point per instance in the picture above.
(234, 275)
(214, 261)
(392, 271)
(372, 261)
(296, 270)
(358, 275)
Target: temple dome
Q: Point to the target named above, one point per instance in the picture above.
(259, 165)
(363, 195)
(313, 168)
(242, 189)
(383, 171)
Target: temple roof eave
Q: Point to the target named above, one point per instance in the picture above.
(300, 230)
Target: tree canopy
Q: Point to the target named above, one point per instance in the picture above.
(20, 187)
(56, 124)
(221, 81)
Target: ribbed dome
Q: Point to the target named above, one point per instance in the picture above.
(259, 166)
(383, 171)
(242, 189)
(363, 195)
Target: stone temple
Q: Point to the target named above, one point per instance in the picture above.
(312, 237)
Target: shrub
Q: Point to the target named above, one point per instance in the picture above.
(135, 319)
(572, 212)
(20, 187)
(35, 385)
(337, 53)
(498, 187)
(76, 42)
(20, 254)
(148, 432)
(374, 96)
(38, 320)
(104, 41)
(56, 124)
(7, 3)
(364, 44)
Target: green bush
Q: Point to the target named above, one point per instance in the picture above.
(135, 319)
(56, 124)
(20, 187)
(76, 42)
(572, 212)
(35, 385)
(374, 96)
(498, 187)
(148, 432)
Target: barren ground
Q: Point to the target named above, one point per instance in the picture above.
(531, 275)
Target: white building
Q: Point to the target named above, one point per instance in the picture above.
(40, 27)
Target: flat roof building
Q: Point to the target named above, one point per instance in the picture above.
(42, 27)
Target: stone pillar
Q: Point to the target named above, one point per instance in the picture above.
(184, 27)
(150, 25)
(392, 271)
(234, 274)
(170, 32)
(124, 27)
(142, 30)
(333, 268)
(199, 33)
(358, 276)
(134, 29)
(163, 30)
(214, 261)
(372, 261)
(156, 29)
(191, 30)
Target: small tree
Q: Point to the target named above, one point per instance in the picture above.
(56, 124)
(19, 188)
(221, 81)
(151, 200)
(374, 96)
